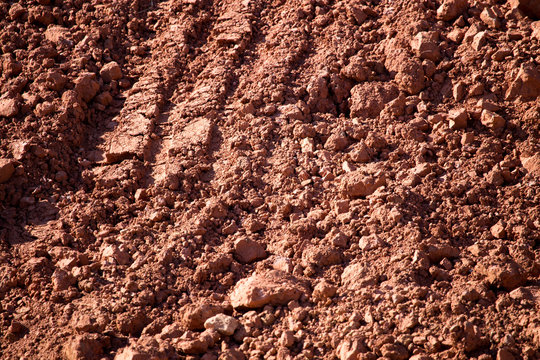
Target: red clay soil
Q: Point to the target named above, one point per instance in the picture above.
(270, 179)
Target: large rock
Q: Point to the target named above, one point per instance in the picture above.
(271, 287)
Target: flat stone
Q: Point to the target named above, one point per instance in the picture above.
(270, 287)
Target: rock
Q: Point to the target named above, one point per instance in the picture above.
(111, 71)
(394, 351)
(194, 315)
(410, 76)
(270, 287)
(113, 254)
(224, 324)
(321, 256)
(62, 280)
(499, 230)
(357, 184)
(526, 85)
(7, 169)
(531, 164)
(195, 343)
(44, 109)
(350, 349)
(83, 347)
(504, 354)
(370, 242)
(492, 120)
(458, 119)
(9, 107)
(479, 40)
(369, 99)
(507, 275)
(357, 69)
(535, 27)
(130, 353)
(356, 276)
(324, 290)
(16, 10)
(451, 9)
(491, 17)
(426, 45)
(247, 250)
(338, 141)
(530, 8)
(86, 86)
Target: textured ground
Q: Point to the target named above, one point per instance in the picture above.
(262, 179)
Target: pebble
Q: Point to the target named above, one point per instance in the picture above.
(86, 86)
(426, 45)
(224, 324)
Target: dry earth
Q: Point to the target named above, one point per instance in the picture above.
(270, 179)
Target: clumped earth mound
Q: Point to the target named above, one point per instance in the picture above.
(309, 179)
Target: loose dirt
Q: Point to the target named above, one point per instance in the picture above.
(307, 179)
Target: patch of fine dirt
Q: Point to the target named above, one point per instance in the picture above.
(269, 179)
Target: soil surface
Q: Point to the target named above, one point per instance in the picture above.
(269, 179)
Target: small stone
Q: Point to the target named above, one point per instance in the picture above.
(130, 353)
(113, 254)
(499, 230)
(530, 163)
(324, 290)
(504, 354)
(479, 40)
(83, 347)
(86, 86)
(247, 250)
(490, 17)
(426, 45)
(195, 315)
(530, 8)
(336, 142)
(458, 119)
(467, 138)
(6, 170)
(224, 324)
(9, 107)
(111, 71)
(451, 9)
(459, 91)
(62, 280)
(394, 351)
(370, 242)
(287, 339)
(357, 184)
(271, 287)
(44, 109)
(356, 276)
(492, 120)
(350, 349)
(526, 84)
(307, 145)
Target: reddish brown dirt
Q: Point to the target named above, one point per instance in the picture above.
(256, 179)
